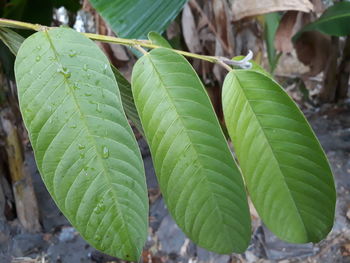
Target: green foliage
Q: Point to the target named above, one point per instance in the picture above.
(285, 169)
(11, 39)
(158, 40)
(271, 24)
(83, 144)
(127, 99)
(334, 21)
(135, 18)
(198, 177)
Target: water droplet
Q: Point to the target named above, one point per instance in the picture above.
(81, 147)
(88, 76)
(72, 53)
(64, 71)
(98, 109)
(37, 59)
(97, 82)
(85, 67)
(82, 155)
(105, 152)
(74, 126)
(98, 237)
(105, 68)
(88, 94)
(38, 47)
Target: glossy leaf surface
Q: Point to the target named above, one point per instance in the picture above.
(135, 18)
(285, 169)
(84, 147)
(199, 179)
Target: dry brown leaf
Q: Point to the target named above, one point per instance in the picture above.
(319, 7)
(285, 32)
(190, 31)
(222, 25)
(245, 8)
(313, 49)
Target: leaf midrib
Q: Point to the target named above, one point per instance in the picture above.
(99, 157)
(273, 153)
(207, 183)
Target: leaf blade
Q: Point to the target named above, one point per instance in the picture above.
(195, 169)
(83, 145)
(279, 155)
(138, 17)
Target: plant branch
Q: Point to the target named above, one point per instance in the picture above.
(128, 42)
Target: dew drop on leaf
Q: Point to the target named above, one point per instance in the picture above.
(88, 94)
(105, 152)
(64, 71)
(98, 109)
(72, 53)
(85, 67)
(105, 68)
(38, 58)
(81, 147)
(97, 237)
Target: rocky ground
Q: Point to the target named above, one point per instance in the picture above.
(59, 242)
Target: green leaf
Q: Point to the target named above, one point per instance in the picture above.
(334, 21)
(127, 99)
(157, 39)
(198, 177)
(84, 147)
(11, 39)
(285, 169)
(135, 18)
(271, 24)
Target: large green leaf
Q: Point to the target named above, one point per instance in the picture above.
(198, 177)
(135, 18)
(334, 21)
(83, 144)
(285, 169)
(13, 41)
